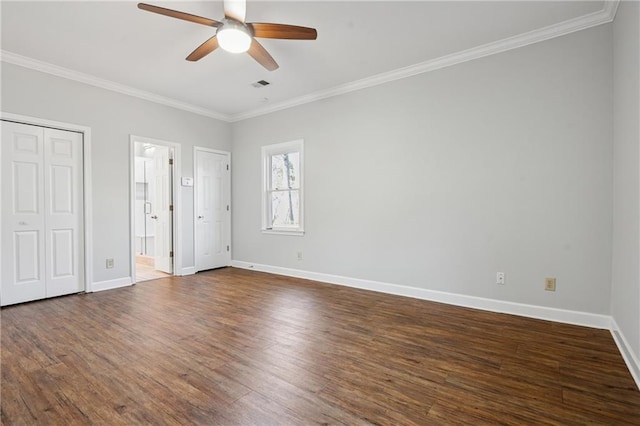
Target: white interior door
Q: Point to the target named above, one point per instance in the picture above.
(212, 187)
(42, 251)
(23, 256)
(63, 212)
(162, 210)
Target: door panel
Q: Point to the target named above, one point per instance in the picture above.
(218, 210)
(27, 262)
(63, 218)
(26, 187)
(62, 250)
(23, 255)
(25, 141)
(162, 210)
(61, 189)
(218, 238)
(212, 216)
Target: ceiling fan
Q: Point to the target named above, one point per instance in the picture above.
(235, 35)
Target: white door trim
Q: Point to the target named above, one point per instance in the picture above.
(87, 186)
(177, 202)
(195, 213)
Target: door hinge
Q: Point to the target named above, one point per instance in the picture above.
(227, 167)
(170, 207)
(171, 254)
(227, 248)
(227, 207)
(170, 161)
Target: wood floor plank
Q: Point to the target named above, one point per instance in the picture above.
(255, 409)
(237, 347)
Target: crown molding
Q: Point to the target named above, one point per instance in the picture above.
(610, 8)
(34, 64)
(603, 16)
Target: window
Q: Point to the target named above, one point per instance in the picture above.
(282, 182)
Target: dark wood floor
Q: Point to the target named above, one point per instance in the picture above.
(238, 347)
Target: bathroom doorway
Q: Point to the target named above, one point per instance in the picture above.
(153, 210)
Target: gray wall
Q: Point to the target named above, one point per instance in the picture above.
(112, 118)
(625, 299)
(436, 181)
(440, 180)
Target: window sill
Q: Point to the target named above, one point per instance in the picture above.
(297, 233)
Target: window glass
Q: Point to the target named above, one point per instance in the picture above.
(282, 182)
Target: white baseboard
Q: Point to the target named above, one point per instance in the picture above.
(111, 284)
(190, 270)
(501, 306)
(630, 358)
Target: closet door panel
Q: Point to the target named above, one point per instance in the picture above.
(63, 212)
(23, 228)
(26, 252)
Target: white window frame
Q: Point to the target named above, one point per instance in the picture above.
(267, 152)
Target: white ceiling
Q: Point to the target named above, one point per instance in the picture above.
(117, 42)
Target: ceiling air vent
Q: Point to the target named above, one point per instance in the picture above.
(259, 84)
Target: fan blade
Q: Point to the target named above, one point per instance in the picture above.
(261, 55)
(235, 9)
(204, 49)
(180, 15)
(283, 31)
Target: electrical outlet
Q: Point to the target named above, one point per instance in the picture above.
(550, 284)
(299, 254)
(500, 278)
(109, 263)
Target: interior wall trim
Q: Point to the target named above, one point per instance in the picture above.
(500, 306)
(176, 221)
(188, 270)
(585, 319)
(632, 361)
(603, 16)
(111, 284)
(45, 67)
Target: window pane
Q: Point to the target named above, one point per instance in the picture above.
(285, 171)
(285, 209)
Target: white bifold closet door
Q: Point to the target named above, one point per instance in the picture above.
(42, 221)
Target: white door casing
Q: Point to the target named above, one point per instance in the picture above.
(212, 209)
(161, 209)
(42, 217)
(176, 224)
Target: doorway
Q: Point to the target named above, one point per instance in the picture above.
(152, 209)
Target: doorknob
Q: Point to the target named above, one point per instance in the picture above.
(200, 217)
(154, 217)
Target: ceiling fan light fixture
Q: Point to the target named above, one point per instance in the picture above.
(233, 37)
(236, 36)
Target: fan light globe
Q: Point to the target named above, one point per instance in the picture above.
(233, 38)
